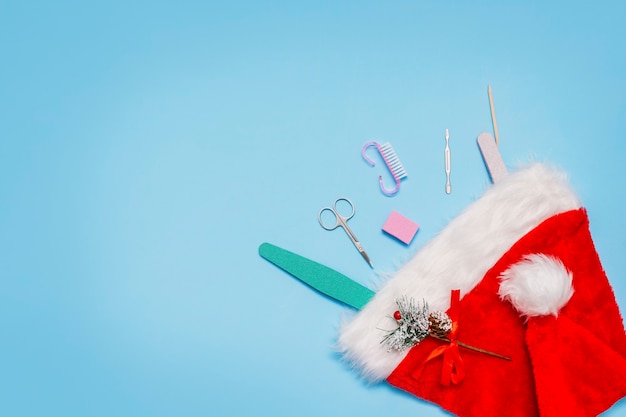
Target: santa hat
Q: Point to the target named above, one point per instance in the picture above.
(532, 288)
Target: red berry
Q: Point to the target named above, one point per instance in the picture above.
(397, 315)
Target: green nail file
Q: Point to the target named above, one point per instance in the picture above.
(320, 277)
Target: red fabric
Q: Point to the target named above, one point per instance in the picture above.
(570, 365)
(452, 370)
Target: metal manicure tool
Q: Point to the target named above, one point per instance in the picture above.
(447, 155)
(342, 221)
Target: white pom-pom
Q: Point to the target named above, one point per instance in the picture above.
(537, 285)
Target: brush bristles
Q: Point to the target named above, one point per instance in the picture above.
(393, 162)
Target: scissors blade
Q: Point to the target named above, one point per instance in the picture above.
(363, 253)
(356, 242)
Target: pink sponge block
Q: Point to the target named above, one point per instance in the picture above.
(400, 227)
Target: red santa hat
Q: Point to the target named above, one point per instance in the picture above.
(532, 288)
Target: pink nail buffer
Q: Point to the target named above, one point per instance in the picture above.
(400, 227)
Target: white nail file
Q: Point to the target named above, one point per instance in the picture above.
(491, 156)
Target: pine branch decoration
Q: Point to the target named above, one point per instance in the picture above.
(413, 325)
(416, 322)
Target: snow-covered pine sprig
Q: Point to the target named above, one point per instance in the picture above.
(416, 322)
(413, 325)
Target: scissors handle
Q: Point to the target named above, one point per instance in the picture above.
(319, 218)
(340, 220)
(343, 222)
(336, 210)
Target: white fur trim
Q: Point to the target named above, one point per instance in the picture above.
(537, 285)
(457, 258)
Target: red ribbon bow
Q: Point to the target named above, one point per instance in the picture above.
(452, 369)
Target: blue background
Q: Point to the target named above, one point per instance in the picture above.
(147, 148)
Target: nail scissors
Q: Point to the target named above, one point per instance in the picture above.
(342, 221)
